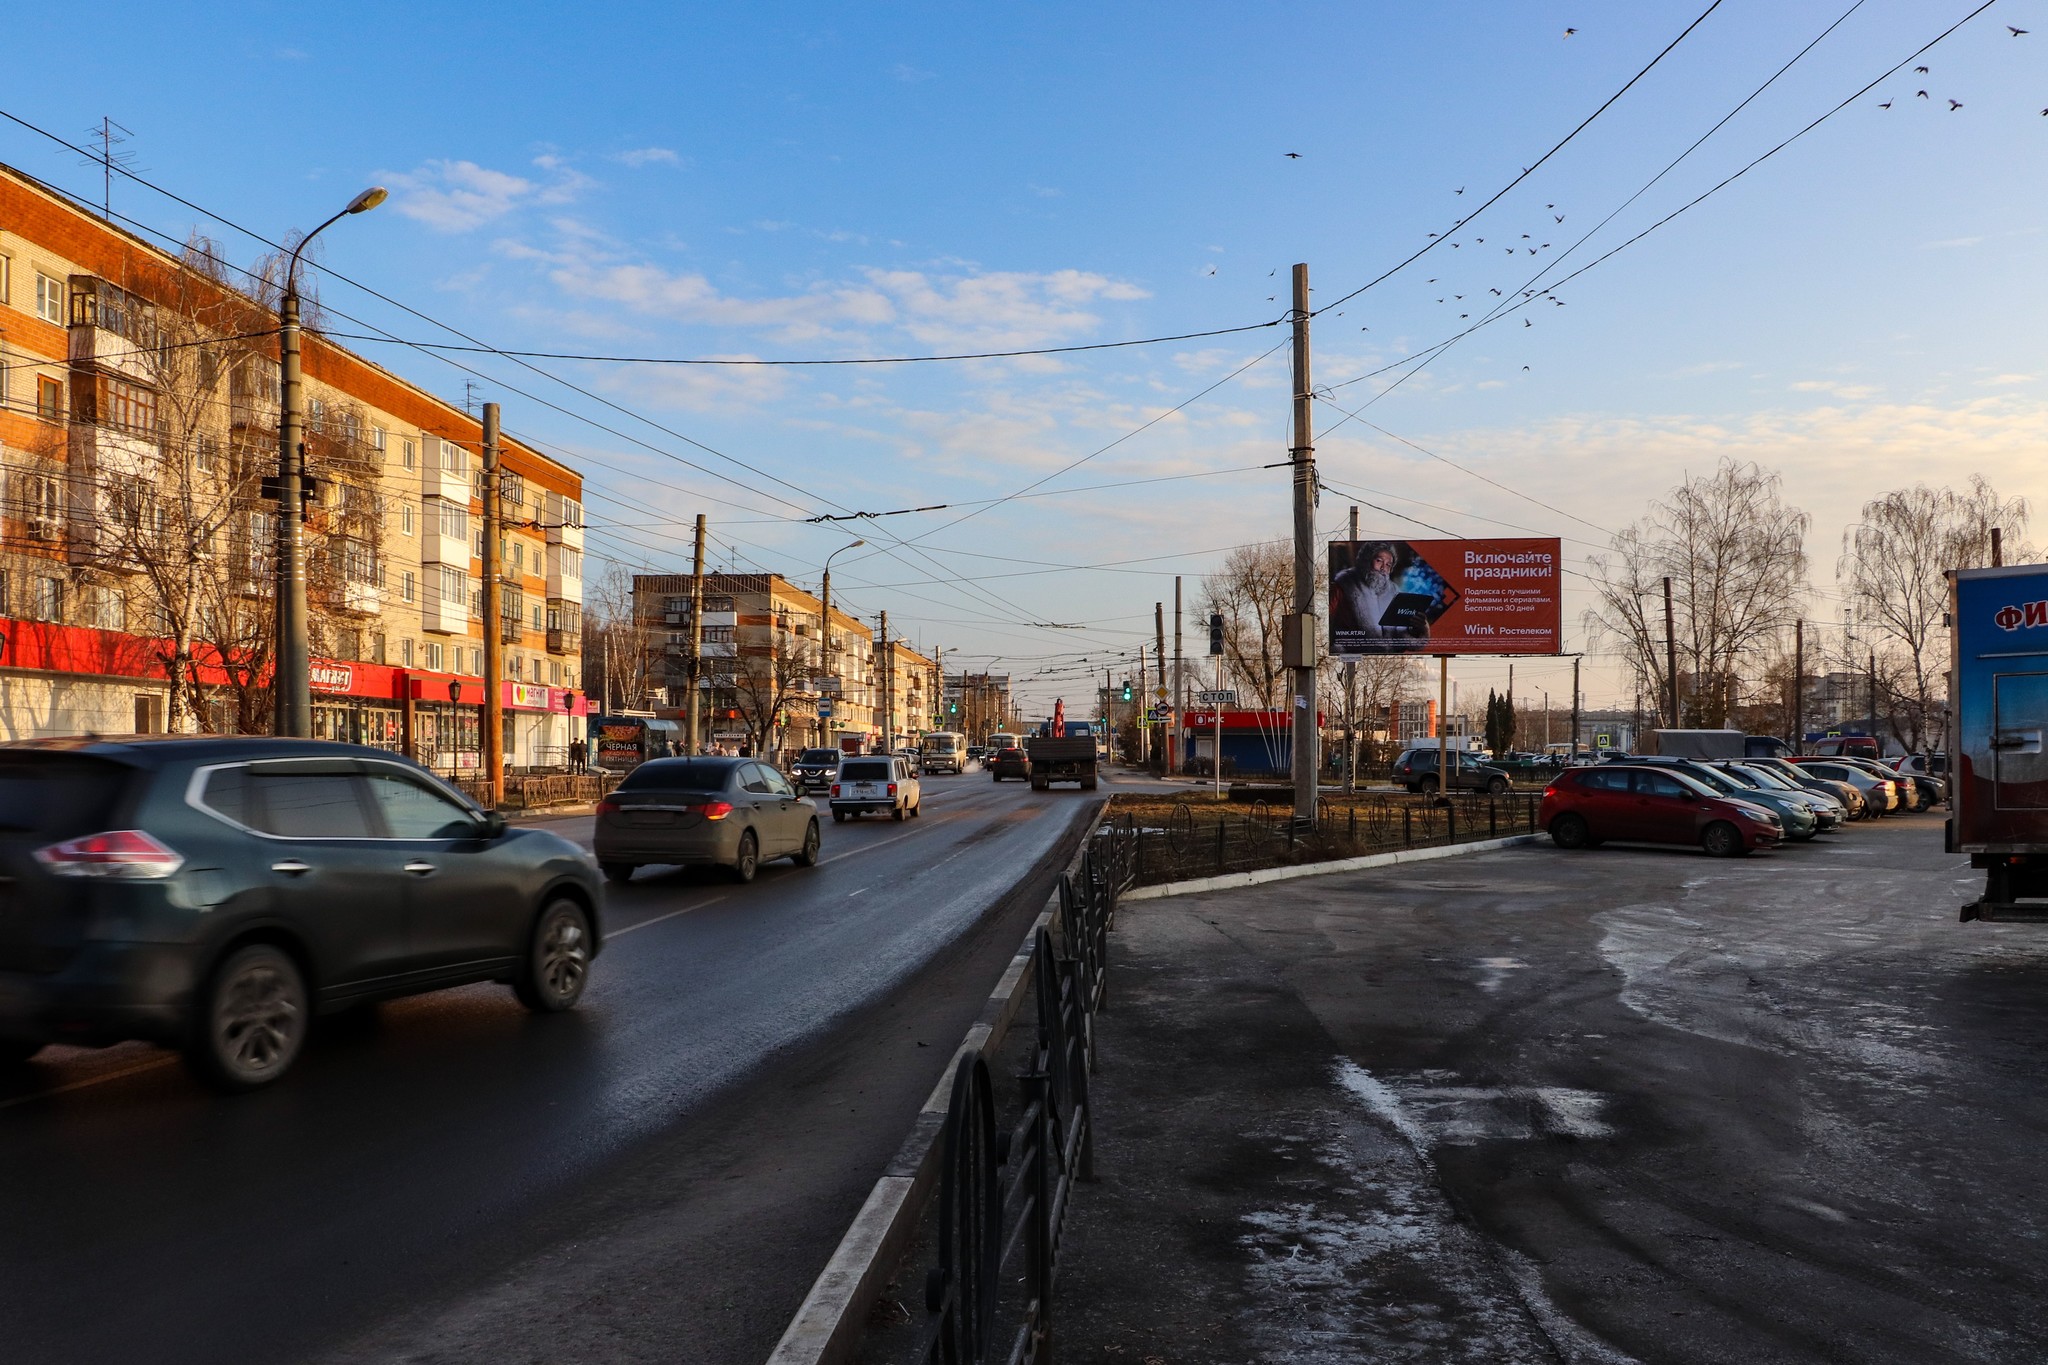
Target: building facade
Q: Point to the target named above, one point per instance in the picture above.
(139, 405)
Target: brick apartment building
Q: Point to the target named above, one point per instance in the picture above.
(138, 422)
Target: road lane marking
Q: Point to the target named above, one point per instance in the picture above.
(621, 933)
(139, 1067)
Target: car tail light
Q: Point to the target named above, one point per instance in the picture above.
(892, 789)
(716, 810)
(124, 854)
(607, 807)
(1550, 791)
(835, 789)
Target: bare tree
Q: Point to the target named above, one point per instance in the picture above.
(1252, 592)
(765, 678)
(1736, 558)
(622, 664)
(1892, 566)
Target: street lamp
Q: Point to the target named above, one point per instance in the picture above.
(292, 697)
(825, 623)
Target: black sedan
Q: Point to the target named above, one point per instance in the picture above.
(1010, 762)
(214, 894)
(725, 812)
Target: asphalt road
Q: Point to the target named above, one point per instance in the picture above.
(1630, 1105)
(656, 1175)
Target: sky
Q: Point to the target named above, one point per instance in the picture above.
(1861, 311)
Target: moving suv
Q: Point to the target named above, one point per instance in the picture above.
(1415, 769)
(813, 769)
(214, 894)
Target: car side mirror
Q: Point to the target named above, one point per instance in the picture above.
(494, 824)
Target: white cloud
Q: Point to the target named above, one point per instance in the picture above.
(460, 196)
(648, 156)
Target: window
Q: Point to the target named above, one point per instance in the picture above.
(305, 805)
(518, 667)
(379, 438)
(47, 603)
(518, 557)
(454, 518)
(454, 586)
(537, 617)
(49, 299)
(405, 517)
(1659, 784)
(479, 552)
(572, 567)
(376, 646)
(434, 653)
(512, 488)
(454, 458)
(555, 672)
(41, 505)
(129, 407)
(104, 608)
(408, 587)
(49, 398)
(405, 648)
(358, 562)
(206, 454)
(410, 454)
(6, 278)
(413, 811)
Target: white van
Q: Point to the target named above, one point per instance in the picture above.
(943, 751)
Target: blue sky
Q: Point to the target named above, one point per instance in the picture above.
(1862, 311)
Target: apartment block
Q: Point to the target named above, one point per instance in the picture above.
(139, 403)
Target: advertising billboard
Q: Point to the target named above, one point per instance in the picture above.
(1446, 597)
(1999, 717)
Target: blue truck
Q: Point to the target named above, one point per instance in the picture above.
(1998, 714)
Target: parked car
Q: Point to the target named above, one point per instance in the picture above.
(1415, 769)
(1880, 795)
(1829, 813)
(1799, 816)
(1585, 807)
(1911, 797)
(215, 894)
(813, 769)
(1930, 775)
(1009, 762)
(733, 813)
(877, 783)
(1845, 746)
(1849, 795)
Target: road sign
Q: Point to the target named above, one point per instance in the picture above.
(1603, 741)
(1226, 697)
(1159, 714)
(1161, 693)
(824, 709)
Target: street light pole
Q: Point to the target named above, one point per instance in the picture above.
(291, 670)
(825, 626)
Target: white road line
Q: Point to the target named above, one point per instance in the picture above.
(621, 933)
(151, 1065)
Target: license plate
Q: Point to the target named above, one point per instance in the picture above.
(650, 817)
(869, 789)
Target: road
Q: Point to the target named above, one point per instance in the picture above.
(1626, 1105)
(657, 1175)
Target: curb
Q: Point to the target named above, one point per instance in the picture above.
(1230, 880)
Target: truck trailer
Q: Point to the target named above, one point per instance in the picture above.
(1998, 713)
(1069, 757)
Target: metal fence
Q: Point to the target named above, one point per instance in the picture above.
(1209, 840)
(1003, 1193)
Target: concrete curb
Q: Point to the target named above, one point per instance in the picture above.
(1230, 880)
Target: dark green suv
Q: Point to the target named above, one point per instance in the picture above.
(1415, 769)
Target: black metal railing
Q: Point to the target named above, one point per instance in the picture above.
(1203, 840)
(1004, 1193)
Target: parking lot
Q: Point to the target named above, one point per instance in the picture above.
(1624, 1104)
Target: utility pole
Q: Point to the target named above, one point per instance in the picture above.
(1351, 692)
(888, 690)
(1671, 652)
(1575, 706)
(693, 739)
(1997, 547)
(1175, 758)
(1873, 694)
(1798, 735)
(1138, 705)
(1299, 635)
(493, 600)
(1165, 749)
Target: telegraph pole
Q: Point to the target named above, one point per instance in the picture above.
(693, 741)
(1798, 734)
(1299, 636)
(1351, 691)
(1575, 706)
(1671, 652)
(1175, 759)
(494, 630)
(1138, 704)
(888, 690)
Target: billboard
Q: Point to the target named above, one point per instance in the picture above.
(1998, 762)
(1446, 597)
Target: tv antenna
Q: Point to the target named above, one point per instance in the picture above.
(107, 135)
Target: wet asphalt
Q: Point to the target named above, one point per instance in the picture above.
(1621, 1105)
(657, 1175)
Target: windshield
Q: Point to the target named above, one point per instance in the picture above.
(1714, 782)
(59, 795)
(1768, 780)
(1686, 779)
(1744, 776)
(819, 756)
(944, 744)
(864, 770)
(701, 774)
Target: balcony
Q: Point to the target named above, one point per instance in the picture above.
(562, 641)
(565, 573)
(366, 598)
(437, 480)
(564, 519)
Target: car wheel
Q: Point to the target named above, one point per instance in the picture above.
(1569, 831)
(917, 811)
(997, 776)
(748, 858)
(807, 856)
(619, 872)
(1427, 786)
(557, 959)
(1722, 840)
(252, 1019)
(1497, 787)
(838, 817)
(896, 812)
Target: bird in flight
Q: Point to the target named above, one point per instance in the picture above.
(1527, 323)
(1525, 236)
(1294, 156)
(1558, 216)
(1921, 69)
(1886, 105)
(1954, 105)
(1211, 270)
(2016, 32)
(1525, 367)
(1459, 190)
(1494, 292)
(1532, 251)
(1922, 94)
(1569, 32)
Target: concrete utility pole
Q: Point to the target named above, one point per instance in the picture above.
(1175, 758)
(1299, 635)
(1159, 659)
(1873, 694)
(1671, 652)
(493, 601)
(693, 738)
(1575, 706)
(291, 677)
(1997, 547)
(1138, 705)
(1798, 735)
(888, 690)
(1351, 694)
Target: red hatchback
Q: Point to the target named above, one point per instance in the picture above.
(1585, 807)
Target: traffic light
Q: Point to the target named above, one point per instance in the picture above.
(952, 708)
(1127, 689)
(1216, 633)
